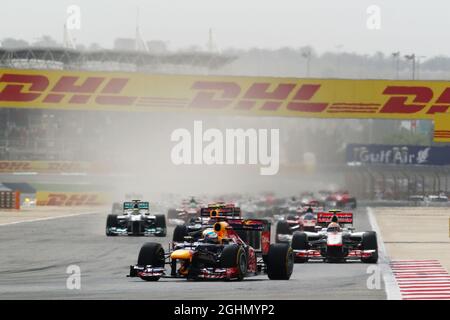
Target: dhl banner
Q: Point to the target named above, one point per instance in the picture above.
(51, 167)
(68, 199)
(253, 96)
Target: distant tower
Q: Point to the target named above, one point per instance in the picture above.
(68, 40)
(140, 44)
(211, 46)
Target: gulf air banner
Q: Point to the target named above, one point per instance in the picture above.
(252, 96)
(382, 154)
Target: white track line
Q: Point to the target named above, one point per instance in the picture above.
(48, 218)
(390, 284)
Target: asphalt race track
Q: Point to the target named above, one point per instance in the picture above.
(35, 256)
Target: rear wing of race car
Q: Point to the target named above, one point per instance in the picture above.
(254, 232)
(345, 219)
(140, 205)
(225, 211)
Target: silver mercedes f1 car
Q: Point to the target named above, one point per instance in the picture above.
(136, 220)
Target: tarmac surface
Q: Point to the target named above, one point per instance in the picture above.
(35, 256)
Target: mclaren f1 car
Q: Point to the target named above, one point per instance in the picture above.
(335, 241)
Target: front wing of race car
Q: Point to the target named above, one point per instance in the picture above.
(202, 273)
(137, 228)
(353, 255)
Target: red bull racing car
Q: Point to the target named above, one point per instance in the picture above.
(336, 241)
(220, 253)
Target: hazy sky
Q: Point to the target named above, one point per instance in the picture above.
(407, 25)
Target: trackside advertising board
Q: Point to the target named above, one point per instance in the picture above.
(53, 167)
(252, 96)
(380, 154)
(70, 199)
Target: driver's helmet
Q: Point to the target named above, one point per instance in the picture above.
(334, 227)
(308, 216)
(210, 236)
(309, 210)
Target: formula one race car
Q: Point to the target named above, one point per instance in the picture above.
(305, 221)
(336, 241)
(136, 220)
(187, 212)
(341, 200)
(219, 254)
(196, 226)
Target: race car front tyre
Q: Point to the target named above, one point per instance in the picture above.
(369, 242)
(179, 233)
(280, 261)
(300, 242)
(282, 228)
(233, 256)
(111, 222)
(161, 223)
(151, 254)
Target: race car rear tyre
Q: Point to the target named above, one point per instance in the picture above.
(280, 261)
(111, 222)
(282, 228)
(151, 254)
(161, 223)
(300, 242)
(179, 233)
(233, 256)
(369, 242)
(352, 203)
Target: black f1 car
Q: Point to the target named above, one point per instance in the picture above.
(136, 220)
(219, 254)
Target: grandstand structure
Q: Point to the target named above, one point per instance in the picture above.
(37, 134)
(112, 60)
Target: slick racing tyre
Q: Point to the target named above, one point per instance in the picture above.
(233, 256)
(369, 242)
(161, 223)
(151, 254)
(280, 261)
(282, 228)
(179, 233)
(111, 222)
(300, 242)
